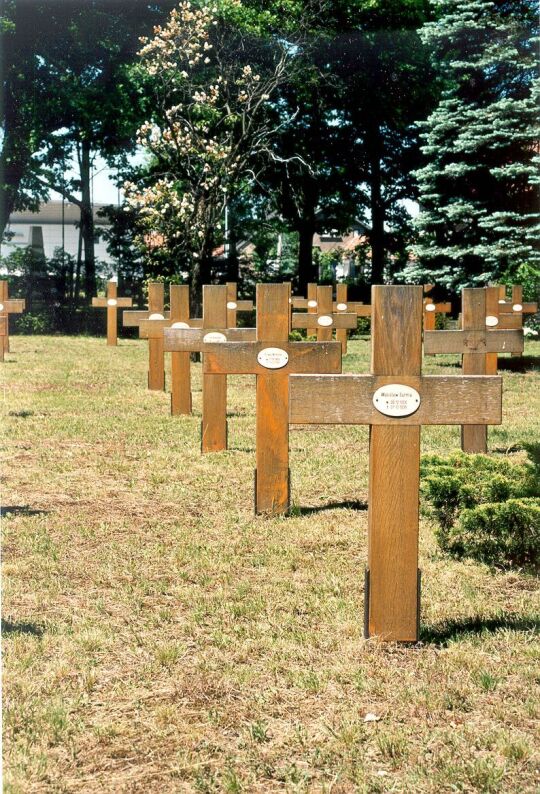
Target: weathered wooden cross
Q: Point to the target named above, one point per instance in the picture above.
(309, 303)
(431, 309)
(475, 341)
(180, 364)
(341, 304)
(214, 387)
(7, 306)
(323, 320)
(272, 358)
(156, 359)
(112, 303)
(234, 305)
(395, 400)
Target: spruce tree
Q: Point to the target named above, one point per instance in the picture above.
(479, 203)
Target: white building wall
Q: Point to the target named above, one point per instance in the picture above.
(52, 238)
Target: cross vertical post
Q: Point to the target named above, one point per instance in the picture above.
(341, 300)
(324, 307)
(492, 321)
(393, 593)
(181, 402)
(272, 480)
(214, 393)
(7, 306)
(112, 301)
(473, 317)
(156, 355)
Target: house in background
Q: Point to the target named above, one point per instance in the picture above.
(55, 225)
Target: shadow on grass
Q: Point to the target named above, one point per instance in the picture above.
(519, 363)
(349, 504)
(449, 631)
(11, 629)
(21, 414)
(20, 510)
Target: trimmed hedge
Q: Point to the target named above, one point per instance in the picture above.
(486, 508)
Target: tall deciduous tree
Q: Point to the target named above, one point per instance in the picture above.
(477, 190)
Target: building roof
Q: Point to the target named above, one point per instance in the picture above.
(51, 213)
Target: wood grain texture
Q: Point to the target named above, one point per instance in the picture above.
(192, 339)
(473, 360)
(341, 333)
(272, 427)
(324, 306)
(232, 295)
(181, 399)
(156, 355)
(394, 472)
(240, 358)
(340, 320)
(112, 314)
(3, 332)
(4, 297)
(347, 399)
(134, 318)
(214, 387)
(469, 342)
(492, 309)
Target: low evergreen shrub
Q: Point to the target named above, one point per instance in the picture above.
(486, 508)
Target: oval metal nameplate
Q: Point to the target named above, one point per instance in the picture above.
(502, 301)
(395, 399)
(517, 307)
(1, 307)
(179, 325)
(342, 307)
(214, 336)
(325, 321)
(156, 316)
(430, 307)
(112, 302)
(312, 304)
(491, 321)
(273, 358)
(231, 305)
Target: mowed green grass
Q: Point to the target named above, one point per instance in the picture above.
(160, 638)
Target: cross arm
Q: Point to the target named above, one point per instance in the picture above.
(243, 358)
(496, 341)
(153, 329)
(441, 308)
(134, 318)
(121, 303)
(303, 303)
(192, 340)
(13, 305)
(344, 320)
(348, 399)
(360, 309)
(241, 305)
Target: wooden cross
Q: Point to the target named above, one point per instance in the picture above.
(234, 305)
(395, 400)
(492, 321)
(323, 319)
(156, 359)
(474, 341)
(511, 312)
(7, 306)
(184, 341)
(272, 358)
(309, 303)
(180, 364)
(341, 304)
(112, 303)
(431, 309)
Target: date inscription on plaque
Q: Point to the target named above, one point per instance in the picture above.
(273, 358)
(396, 399)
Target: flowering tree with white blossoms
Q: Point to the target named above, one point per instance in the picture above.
(210, 132)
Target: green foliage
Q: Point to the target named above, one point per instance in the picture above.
(486, 508)
(30, 323)
(478, 187)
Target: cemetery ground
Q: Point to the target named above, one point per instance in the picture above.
(160, 638)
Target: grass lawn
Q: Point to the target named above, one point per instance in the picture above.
(160, 638)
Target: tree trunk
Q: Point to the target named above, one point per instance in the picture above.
(307, 271)
(378, 258)
(16, 152)
(87, 222)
